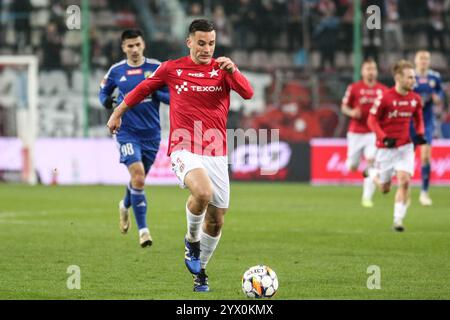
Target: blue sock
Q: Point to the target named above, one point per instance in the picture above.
(426, 170)
(139, 204)
(127, 199)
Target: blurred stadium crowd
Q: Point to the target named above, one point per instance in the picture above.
(305, 46)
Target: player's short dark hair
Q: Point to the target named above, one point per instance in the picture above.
(368, 60)
(201, 25)
(131, 34)
(400, 66)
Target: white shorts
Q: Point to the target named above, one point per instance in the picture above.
(184, 161)
(359, 144)
(389, 161)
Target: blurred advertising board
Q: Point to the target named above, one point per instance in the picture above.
(79, 161)
(328, 163)
(280, 161)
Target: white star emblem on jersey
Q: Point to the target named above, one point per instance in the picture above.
(413, 103)
(214, 73)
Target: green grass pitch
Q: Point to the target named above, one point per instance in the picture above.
(319, 240)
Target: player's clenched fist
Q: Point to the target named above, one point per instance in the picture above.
(420, 139)
(226, 64)
(114, 123)
(115, 120)
(389, 142)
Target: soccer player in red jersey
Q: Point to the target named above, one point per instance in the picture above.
(390, 118)
(359, 98)
(199, 86)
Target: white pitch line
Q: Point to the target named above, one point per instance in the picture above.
(14, 214)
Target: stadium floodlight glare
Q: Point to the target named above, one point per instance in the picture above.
(26, 113)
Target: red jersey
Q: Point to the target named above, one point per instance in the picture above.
(360, 95)
(391, 116)
(199, 103)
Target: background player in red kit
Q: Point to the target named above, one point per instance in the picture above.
(390, 118)
(200, 88)
(359, 98)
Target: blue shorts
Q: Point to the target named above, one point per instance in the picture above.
(134, 149)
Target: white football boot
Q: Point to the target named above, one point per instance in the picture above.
(124, 218)
(145, 239)
(425, 199)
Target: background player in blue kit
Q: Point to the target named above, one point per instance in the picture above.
(428, 85)
(140, 133)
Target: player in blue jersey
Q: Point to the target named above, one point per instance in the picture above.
(428, 85)
(140, 133)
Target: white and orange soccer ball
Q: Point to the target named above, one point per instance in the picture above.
(259, 282)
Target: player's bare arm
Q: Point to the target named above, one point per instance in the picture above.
(351, 112)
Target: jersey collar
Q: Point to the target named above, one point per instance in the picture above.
(140, 65)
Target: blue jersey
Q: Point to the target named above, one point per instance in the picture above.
(426, 86)
(142, 121)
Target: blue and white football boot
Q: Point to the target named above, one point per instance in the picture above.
(201, 282)
(192, 256)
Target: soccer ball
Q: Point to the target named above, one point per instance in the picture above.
(259, 282)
